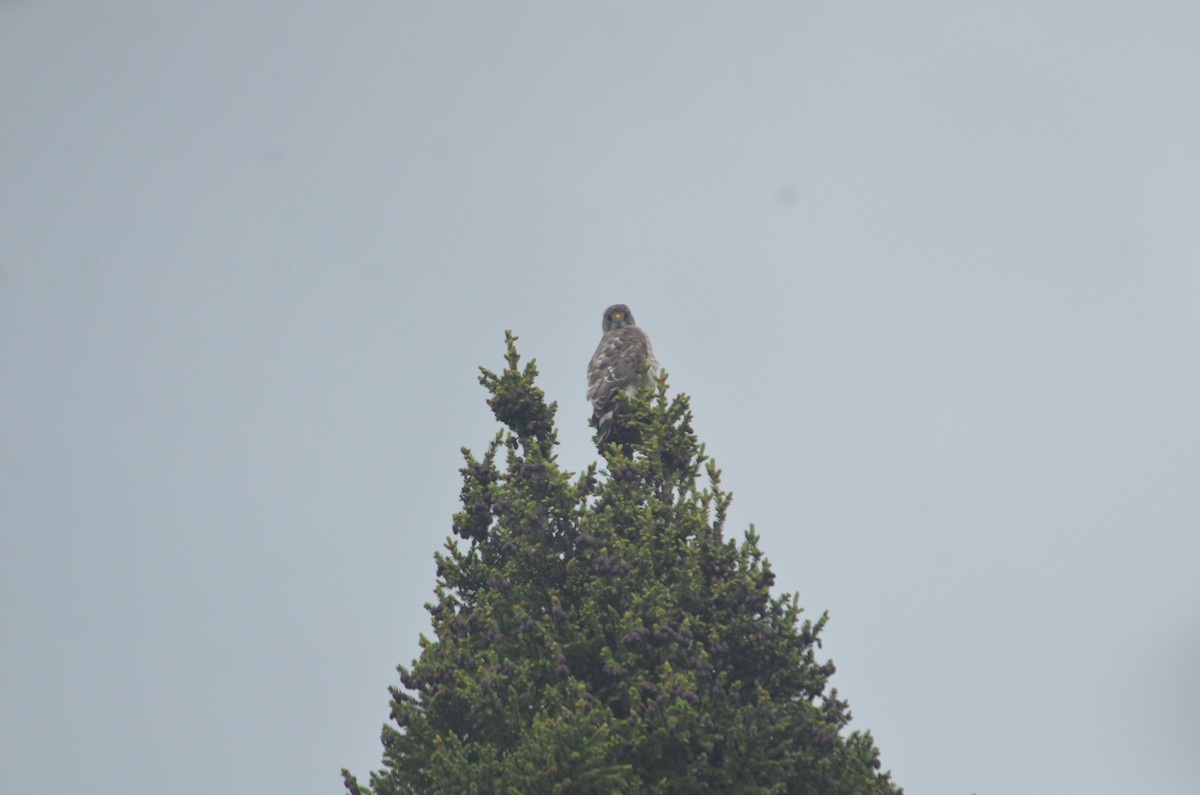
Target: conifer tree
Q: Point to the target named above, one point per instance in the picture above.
(599, 634)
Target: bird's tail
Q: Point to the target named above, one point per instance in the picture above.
(603, 420)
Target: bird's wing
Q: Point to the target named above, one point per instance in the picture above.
(616, 364)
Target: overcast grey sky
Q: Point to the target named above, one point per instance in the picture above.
(929, 270)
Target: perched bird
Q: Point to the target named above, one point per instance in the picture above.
(617, 365)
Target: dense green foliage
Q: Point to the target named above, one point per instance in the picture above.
(597, 633)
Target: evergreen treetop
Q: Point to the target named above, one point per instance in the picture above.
(596, 633)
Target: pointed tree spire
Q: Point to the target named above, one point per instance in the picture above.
(598, 633)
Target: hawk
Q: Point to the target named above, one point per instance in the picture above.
(617, 365)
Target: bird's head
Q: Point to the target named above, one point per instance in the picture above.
(616, 316)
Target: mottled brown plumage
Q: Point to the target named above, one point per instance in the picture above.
(617, 365)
